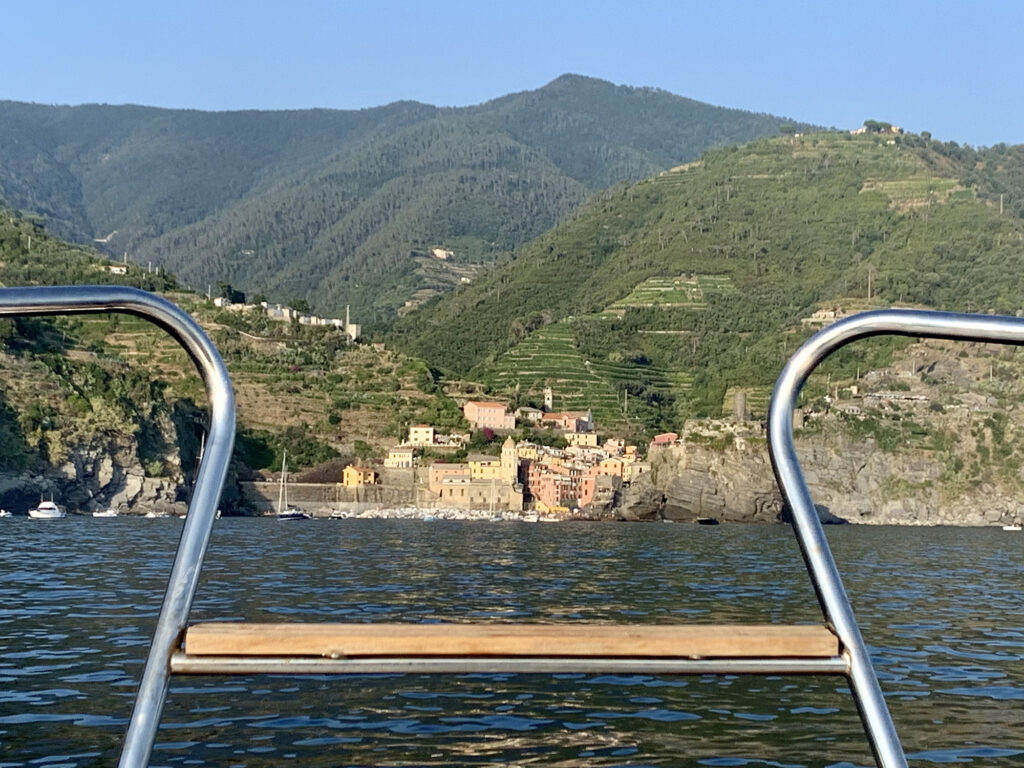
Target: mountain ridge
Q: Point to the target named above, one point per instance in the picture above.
(328, 205)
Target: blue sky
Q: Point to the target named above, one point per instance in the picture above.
(952, 68)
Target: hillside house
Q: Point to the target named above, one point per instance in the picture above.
(488, 415)
(529, 415)
(569, 421)
(525, 450)
(399, 457)
(357, 477)
(421, 435)
(281, 313)
(664, 439)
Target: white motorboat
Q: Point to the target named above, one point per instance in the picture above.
(5, 513)
(284, 512)
(108, 512)
(1011, 527)
(46, 510)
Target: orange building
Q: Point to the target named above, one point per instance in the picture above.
(355, 477)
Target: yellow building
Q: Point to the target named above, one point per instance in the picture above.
(484, 467)
(613, 466)
(526, 450)
(356, 477)
(399, 457)
(583, 439)
(421, 434)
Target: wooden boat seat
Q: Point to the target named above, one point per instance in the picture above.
(340, 641)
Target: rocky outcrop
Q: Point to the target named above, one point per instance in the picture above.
(731, 485)
(850, 481)
(105, 473)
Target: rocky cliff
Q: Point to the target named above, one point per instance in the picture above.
(850, 481)
(105, 472)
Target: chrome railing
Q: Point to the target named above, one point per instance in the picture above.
(165, 656)
(818, 557)
(202, 510)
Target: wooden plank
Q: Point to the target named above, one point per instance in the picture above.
(563, 640)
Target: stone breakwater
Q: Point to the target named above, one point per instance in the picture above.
(428, 514)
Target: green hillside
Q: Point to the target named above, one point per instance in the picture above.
(334, 206)
(82, 385)
(705, 272)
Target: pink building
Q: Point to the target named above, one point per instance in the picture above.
(490, 415)
(664, 439)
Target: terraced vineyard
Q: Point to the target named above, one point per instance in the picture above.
(549, 358)
(682, 291)
(916, 190)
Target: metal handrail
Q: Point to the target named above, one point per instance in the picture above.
(165, 657)
(195, 535)
(820, 565)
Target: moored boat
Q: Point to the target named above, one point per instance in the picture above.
(46, 510)
(284, 512)
(108, 512)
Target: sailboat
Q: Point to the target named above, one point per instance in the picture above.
(284, 512)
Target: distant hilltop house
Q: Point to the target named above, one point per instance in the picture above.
(425, 436)
(421, 434)
(825, 316)
(284, 314)
(877, 126)
(528, 414)
(481, 414)
(442, 253)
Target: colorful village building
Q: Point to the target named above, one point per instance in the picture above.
(421, 435)
(488, 415)
(357, 477)
(400, 457)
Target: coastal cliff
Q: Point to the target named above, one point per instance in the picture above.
(108, 471)
(850, 480)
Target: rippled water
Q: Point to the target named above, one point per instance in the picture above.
(943, 610)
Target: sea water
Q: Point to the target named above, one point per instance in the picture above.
(941, 609)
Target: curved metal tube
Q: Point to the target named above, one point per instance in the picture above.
(202, 510)
(809, 533)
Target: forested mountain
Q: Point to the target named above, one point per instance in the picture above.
(329, 205)
(696, 282)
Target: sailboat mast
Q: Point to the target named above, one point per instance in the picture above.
(280, 491)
